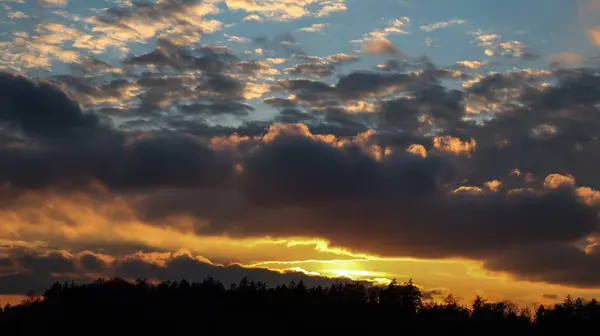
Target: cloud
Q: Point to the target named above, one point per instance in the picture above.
(550, 296)
(292, 176)
(595, 35)
(17, 15)
(493, 45)
(311, 69)
(406, 184)
(51, 117)
(470, 64)
(53, 2)
(286, 10)
(381, 46)
(168, 19)
(439, 25)
(23, 270)
(201, 140)
(556, 263)
(314, 28)
(395, 26)
(565, 60)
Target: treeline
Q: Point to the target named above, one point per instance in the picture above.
(115, 306)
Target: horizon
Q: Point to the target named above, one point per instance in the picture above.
(449, 142)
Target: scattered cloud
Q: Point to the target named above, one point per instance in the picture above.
(129, 132)
(287, 9)
(381, 47)
(440, 25)
(470, 64)
(314, 28)
(53, 2)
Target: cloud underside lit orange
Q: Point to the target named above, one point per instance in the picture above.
(146, 151)
(82, 227)
(96, 219)
(595, 35)
(188, 205)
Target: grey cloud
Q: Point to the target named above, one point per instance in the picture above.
(312, 69)
(422, 96)
(194, 270)
(279, 102)
(74, 148)
(208, 58)
(282, 44)
(398, 206)
(353, 122)
(360, 84)
(232, 108)
(42, 110)
(557, 263)
(554, 130)
(550, 296)
(22, 271)
(295, 185)
(291, 115)
(442, 106)
(433, 293)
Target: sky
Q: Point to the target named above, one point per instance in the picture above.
(449, 142)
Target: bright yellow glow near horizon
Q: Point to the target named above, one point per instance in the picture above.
(97, 226)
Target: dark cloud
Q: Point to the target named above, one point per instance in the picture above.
(170, 160)
(220, 87)
(356, 85)
(22, 271)
(282, 44)
(211, 59)
(43, 111)
(89, 151)
(312, 69)
(550, 296)
(344, 186)
(433, 294)
(430, 107)
(360, 84)
(221, 108)
(159, 81)
(279, 102)
(551, 130)
(291, 116)
(414, 102)
(555, 263)
(297, 186)
(193, 269)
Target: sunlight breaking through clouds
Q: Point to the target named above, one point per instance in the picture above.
(313, 139)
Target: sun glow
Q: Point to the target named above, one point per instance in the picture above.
(353, 274)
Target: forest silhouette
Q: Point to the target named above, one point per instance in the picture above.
(117, 305)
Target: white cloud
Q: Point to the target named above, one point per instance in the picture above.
(439, 25)
(53, 2)
(314, 28)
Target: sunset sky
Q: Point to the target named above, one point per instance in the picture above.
(454, 142)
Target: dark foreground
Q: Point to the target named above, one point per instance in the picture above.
(116, 306)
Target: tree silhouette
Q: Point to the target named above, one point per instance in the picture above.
(143, 306)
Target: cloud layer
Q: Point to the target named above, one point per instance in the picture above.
(407, 158)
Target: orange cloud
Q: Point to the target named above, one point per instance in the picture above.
(418, 150)
(595, 35)
(454, 145)
(565, 60)
(381, 46)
